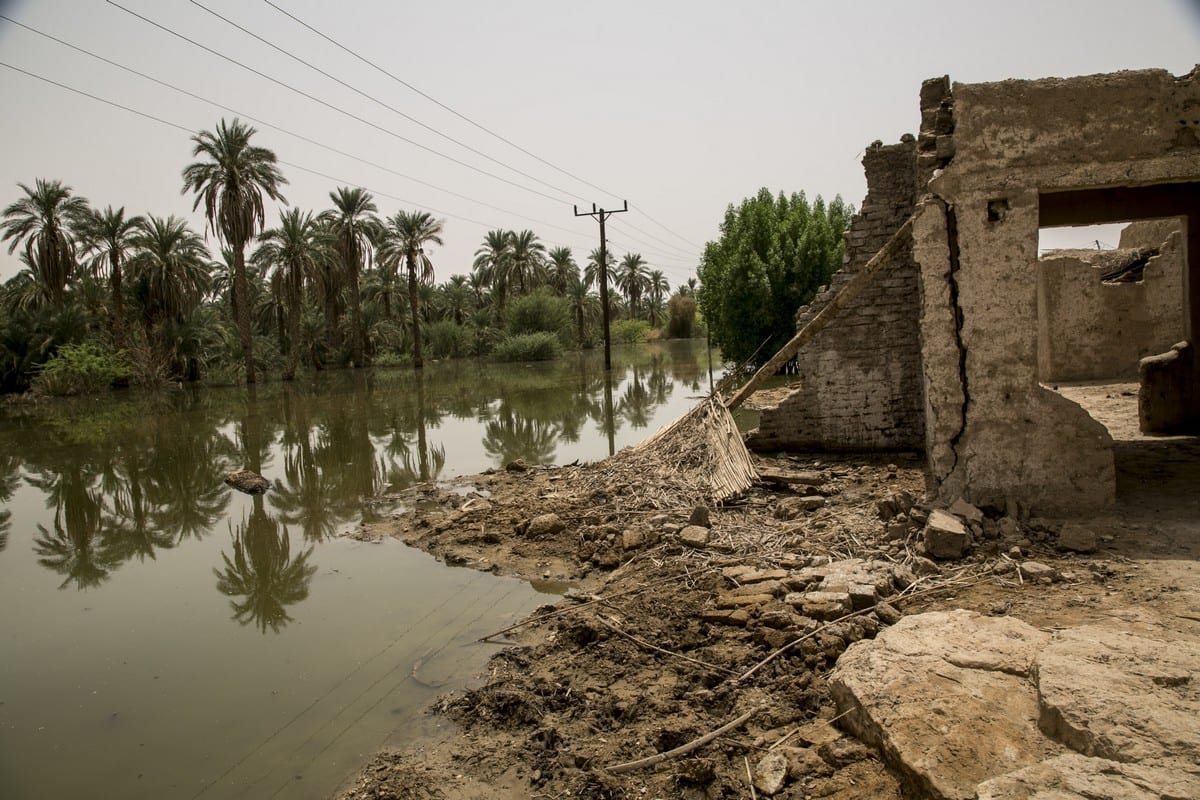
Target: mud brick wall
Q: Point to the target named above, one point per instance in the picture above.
(860, 379)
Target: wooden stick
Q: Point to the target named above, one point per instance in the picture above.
(682, 750)
(859, 281)
(750, 779)
(658, 649)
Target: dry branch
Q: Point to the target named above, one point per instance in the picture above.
(682, 750)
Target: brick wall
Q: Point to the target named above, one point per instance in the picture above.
(860, 379)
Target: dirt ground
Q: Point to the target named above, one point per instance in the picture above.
(637, 659)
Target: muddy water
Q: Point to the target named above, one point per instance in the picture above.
(164, 636)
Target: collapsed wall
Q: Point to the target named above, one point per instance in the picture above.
(860, 378)
(943, 349)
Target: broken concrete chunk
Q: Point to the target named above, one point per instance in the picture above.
(694, 536)
(945, 536)
(1036, 571)
(968, 512)
(1077, 538)
(770, 774)
(544, 525)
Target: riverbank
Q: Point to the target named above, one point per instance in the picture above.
(684, 620)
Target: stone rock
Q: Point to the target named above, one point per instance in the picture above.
(945, 536)
(476, 504)
(248, 482)
(1114, 693)
(764, 587)
(1036, 571)
(632, 539)
(1077, 777)
(862, 596)
(888, 614)
(544, 525)
(1078, 538)
(694, 536)
(700, 516)
(923, 566)
(820, 605)
(805, 763)
(723, 616)
(793, 507)
(517, 466)
(844, 752)
(770, 774)
(924, 690)
(743, 600)
(968, 512)
(761, 575)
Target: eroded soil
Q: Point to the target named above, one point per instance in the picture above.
(641, 658)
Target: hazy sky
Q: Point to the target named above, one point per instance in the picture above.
(678, 107)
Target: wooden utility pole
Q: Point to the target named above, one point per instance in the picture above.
(601, 215)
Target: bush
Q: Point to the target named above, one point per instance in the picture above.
(80, 369)
(630, 331)
(529, 347)
(447, 339)
(536, 313)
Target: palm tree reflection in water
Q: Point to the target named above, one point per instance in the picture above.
(262, 579)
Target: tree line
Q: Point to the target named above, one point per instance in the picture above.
(105, 296)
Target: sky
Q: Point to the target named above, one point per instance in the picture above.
(506, 115)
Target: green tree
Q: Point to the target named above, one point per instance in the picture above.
(354, 226)
(774, 252)
(404, 240)
(491, 265)
(170, 276)
(527, 259)
(231, 182)
(107, 238)
(562, 270)
(44, 221)
(294, 252)
(632, 277)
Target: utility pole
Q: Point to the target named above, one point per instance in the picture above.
(601, 215)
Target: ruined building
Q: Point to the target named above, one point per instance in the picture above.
(952, 347)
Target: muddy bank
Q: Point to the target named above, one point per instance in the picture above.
(685, 618)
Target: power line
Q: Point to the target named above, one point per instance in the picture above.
(670, 247)
(328, 105)
(376, 100)
(282, 129)
(682, 238)
(293, 165)
(435, 101)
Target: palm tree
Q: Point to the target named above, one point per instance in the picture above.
(631, 278)
(657, 287)
(491, 264)
(591, 272)
(108, 238)
(42, 221)
(583, 306)
(169, 267)
(526, 258)
(563, 269)
(354, 226)
(231, 183)
(294, 251)
(455, 298)
(405, 238)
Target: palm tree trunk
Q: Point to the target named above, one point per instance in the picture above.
(118, 313)
(357, 335)
(293, 356)
(241, 299)
(416, 320)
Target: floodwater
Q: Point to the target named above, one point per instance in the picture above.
(164, 636)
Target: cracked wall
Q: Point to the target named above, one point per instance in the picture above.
(994, 435)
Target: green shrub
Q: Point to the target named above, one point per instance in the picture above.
(390, 358)
(630, 331)
(80, 369)
(536, 313)
(529, 347)
(446, 339)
